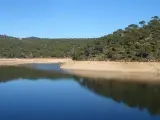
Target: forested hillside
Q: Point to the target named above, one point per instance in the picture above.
(11, 47)
(134, 43)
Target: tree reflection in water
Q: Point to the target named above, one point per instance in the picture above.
(143, 96)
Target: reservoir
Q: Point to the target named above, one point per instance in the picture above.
(46, 92)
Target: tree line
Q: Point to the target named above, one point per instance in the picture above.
(134, 43)
(33, 47)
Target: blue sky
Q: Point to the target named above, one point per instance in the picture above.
(72, 18)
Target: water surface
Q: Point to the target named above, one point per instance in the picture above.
(41, 92)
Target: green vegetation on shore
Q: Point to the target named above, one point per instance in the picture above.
(38, 47)
(134, 43)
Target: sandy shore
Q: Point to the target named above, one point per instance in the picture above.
(112, 66)
(29, 61)
(140, 71)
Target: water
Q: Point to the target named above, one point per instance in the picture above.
(41, 92)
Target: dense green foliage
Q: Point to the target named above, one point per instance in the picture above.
(134, 43)
(38, 47)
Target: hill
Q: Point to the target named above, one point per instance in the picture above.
(38, 47)
(134, 43)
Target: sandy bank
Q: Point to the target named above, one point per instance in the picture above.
(112, 66)
(140, 71)
(29, 61)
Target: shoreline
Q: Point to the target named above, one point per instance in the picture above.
(21, 61)
(112, 66)
(124, 71)
(142, 77)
